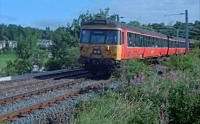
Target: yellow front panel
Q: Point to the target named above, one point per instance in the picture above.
(107, 51)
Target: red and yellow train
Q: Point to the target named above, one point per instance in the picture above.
(104, 43)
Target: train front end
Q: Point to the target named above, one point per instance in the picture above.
(100, 45)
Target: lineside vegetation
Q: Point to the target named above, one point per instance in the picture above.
(146, 96)
(64, 51)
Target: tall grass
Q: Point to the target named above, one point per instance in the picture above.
(4, 58)
(146, 97)
(115, 109)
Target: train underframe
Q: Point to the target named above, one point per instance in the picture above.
(99, 66)
(111, 67)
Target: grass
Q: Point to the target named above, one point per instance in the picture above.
(115, 109)
(148, 98)
(4, 58)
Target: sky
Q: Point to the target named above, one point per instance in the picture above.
(54, 13)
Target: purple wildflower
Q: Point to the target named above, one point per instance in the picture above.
(173, 76)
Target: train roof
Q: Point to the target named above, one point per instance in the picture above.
(123, 25)
(129, 27)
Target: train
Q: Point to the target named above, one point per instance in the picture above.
(106, 43)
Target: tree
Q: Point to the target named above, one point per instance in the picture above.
(22, 64)
(63, 54)
(66, 40)
(28, 54)
(103, 14)
(134, 23)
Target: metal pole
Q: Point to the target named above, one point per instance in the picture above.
(199, 10)
(186, 31)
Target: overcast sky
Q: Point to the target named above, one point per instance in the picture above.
(54, 13)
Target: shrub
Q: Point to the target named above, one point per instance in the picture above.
(135, 68)
(186, 63)
(183, 105)
(114, 109)
(66, 57)
(146, 97)
(176, 93)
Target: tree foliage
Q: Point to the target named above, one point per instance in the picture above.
(64, 51)
(64, 54)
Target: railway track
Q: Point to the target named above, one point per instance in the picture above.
(21, 105)
(26, 95)
(13, 85)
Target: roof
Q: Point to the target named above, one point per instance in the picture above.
(123, 25)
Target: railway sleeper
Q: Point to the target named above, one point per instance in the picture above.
(10, 116)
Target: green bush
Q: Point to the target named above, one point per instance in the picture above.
(146, 97)
(176, 92)
(115, 109)
(178, 99)
(63, 58)
(18, 66)
(185, 63)
(183, 105)
(134, 68)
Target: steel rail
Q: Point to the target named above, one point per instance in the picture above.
(27, 110)
(20, 97)
(42, 76)
(54, 75)
(74, 74)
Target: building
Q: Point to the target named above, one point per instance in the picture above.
(12, 44)
(45, 43)
(2, 44)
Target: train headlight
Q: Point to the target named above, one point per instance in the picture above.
(98, 52)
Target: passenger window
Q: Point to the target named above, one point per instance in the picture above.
(137, 40)
(131, 40)
(170, 44)
(161, 41)
(165, 43)
(122, 40)
(151, 41)
(141, 41)
(145, 41)
(157, 42)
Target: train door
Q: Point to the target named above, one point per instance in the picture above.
(123, 43)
